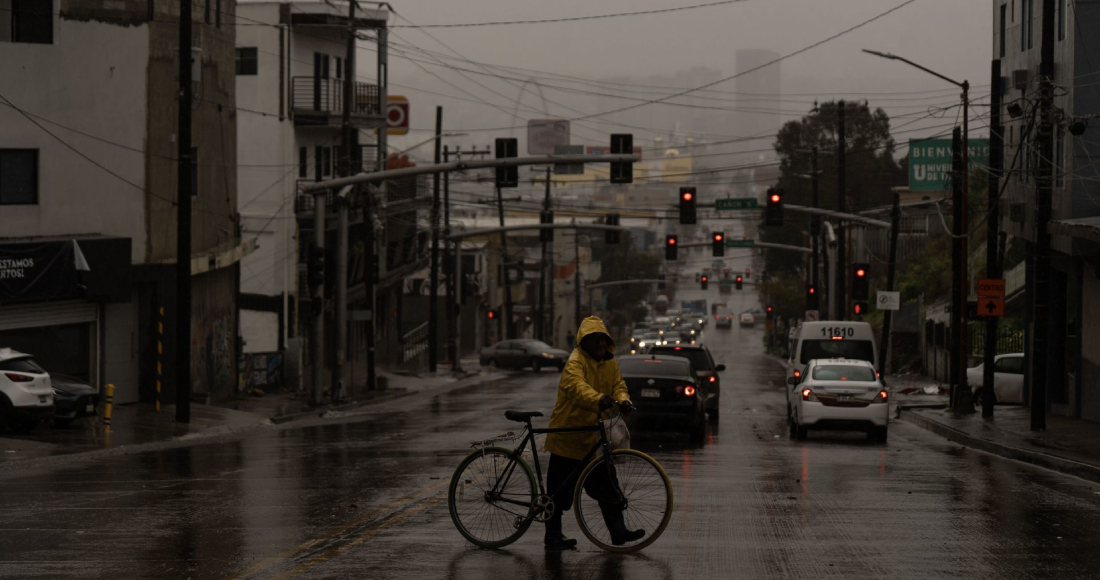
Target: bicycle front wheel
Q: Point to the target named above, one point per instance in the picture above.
(646, 498)
(491, 498)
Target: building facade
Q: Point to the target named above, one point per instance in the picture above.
(88, 123)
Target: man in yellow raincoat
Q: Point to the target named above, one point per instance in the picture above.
(590, 384)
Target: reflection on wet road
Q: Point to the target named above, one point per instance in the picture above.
(363, 496)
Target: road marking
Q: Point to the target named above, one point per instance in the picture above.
(364, 537)
(398, 503)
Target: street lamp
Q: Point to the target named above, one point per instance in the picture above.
(960, 400)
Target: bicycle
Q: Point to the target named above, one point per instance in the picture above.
(494, 496)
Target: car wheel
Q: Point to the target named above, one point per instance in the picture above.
(536, 365)
(980, 395)
(62, 422)
(800, 432)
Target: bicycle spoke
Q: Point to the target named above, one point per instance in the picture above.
(646, 492)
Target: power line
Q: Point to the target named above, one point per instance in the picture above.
(573, 18)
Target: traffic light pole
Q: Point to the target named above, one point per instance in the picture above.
(891, 270)
(1043, 210)
(540, 329)
(992, 226)
(509, 324)
(433, 300)
(960, 393)
(184, 187)
(318, 299)
(815, 230)
(842, 266)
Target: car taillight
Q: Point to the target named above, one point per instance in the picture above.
(808, 395)
(19, 378)
(797, 374)
(713, 379)
(881, 398)
(689, 391)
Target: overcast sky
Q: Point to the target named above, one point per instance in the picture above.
(952, 37)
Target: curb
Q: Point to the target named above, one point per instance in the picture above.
(1044, 460)
(321, 410)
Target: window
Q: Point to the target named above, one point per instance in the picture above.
(317, 162)
(18, 176)
(1030, 20)
(326, 161)
(1003, 10)
(303, 162)
(339, 68)
(1009, 364)
(851, 349)
(320, 65)
(32, 21)
(1061, 19)
(247, 60)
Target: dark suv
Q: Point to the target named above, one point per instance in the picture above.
(706, 371)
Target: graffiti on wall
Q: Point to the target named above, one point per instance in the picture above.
(259, 370)
(212, 352)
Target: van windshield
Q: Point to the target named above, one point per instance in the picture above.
(853, 349)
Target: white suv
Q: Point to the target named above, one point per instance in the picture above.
(838, 393)
(26, 395)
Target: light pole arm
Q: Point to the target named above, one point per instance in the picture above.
(889, 56)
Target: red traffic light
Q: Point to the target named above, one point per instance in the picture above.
(704, 279)
(687, 195)
(812, 290)
(769, 309)
(775, 198)
(727, 271)
(738, 278)
(860, 272)
(858, 308)
(747, 270)
(718, 237)
(672, 241)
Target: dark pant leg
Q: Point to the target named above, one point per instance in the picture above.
(561, 480)
(601, 488)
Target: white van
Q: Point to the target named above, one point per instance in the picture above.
(830, 339)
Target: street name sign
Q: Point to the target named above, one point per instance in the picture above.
(991, 287)
(732, 203)
(735, 243)
(930, 162)
(888, 300)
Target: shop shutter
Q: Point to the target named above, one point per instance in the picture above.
(16, 316)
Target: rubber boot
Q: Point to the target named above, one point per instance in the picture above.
(616, 525)
(554, 539)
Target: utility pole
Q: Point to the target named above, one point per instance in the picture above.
(891, 270)
(815, 228)
(317, 295)
(509, 325)
(1043, 194)
(960, 393)
(452, 311)
(992, 227)
(577, 278)
(540, 330)
(184, 187)
(370, 248)
(842, 259)
(433, 304)
(348, 146)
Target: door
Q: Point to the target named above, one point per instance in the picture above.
(320, 84)
(1008, 379)
(120, 350)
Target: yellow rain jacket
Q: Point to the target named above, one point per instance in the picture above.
(583, 381)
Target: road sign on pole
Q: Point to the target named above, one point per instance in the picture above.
(735, 243)
(733, 203)
(397, 115)
(813, 315)
(991, 287)
(888, 300)
(991, 307)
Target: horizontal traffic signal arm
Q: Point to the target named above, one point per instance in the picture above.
(755, 244)
(848, 217)
(378, 176)
(533, 227)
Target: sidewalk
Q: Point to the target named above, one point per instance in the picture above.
(139, 426)
(1070, 446)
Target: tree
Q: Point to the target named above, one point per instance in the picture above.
(622, 262)
(870, 170)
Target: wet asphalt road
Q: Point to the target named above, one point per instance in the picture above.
(363, 496)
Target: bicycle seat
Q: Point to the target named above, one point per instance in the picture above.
(521, 416)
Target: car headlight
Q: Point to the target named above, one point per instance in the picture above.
(641, 344)
(547, 355)
(692, 332)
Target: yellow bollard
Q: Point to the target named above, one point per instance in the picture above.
(107, 408)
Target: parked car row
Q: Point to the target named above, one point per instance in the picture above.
(29, 394)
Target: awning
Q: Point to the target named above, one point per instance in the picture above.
(1082, 228)
(40, 271)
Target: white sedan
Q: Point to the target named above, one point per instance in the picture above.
(838, 393)
(1008, 379)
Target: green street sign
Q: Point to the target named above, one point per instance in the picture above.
(930, 162)
(734, 243)
(731, 203)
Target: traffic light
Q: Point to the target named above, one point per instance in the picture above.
(492, 314)
(738, 281)
(859, 307)
(718, 244)
(622, 171)
(670, 247)
(703, 282)
(687, 205)
(315, 267)
(773, 211)
(611, 236)
(546, 235)
(812, 300)
(861, 282)
(507, 147)
(747, 272)
(726, 272)
(769, 314)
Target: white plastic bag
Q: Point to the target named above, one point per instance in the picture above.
(618, 434)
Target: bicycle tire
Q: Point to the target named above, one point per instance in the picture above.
(474, 520)
(648, 493)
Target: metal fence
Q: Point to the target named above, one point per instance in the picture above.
(1008, 341)
(327, 95)
(414, 343)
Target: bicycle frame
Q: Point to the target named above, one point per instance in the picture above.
(602, 444)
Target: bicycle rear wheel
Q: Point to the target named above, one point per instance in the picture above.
(647, 495)
(484, 519)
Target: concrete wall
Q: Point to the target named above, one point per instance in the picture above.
(1089, 378)
(214, 333)
(88, 89)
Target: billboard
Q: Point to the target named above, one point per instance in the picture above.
(930, 162)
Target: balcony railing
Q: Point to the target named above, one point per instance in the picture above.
(326, 96)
